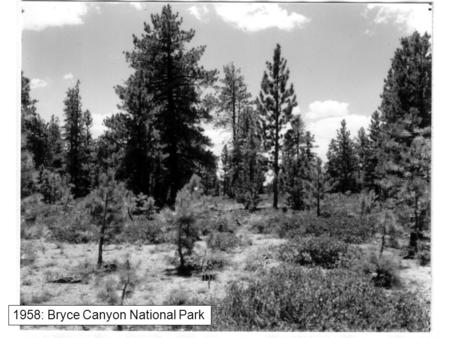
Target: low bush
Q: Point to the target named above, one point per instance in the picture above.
(222, 223)
(322, 251)
(279, 223)
(223, 241)
(290, 298)
(28, 253)
(143, 230)
(424, 257)
(385, 274)
(349, 229)
(215, 261)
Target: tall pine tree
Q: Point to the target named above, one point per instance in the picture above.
(77, 141)
(275, 102)
(163, 98)
(404, 157)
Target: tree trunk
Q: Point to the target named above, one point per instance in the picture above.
(102, 235)
(318, 204)
(180, 249)
(415, 232)
(100, 247)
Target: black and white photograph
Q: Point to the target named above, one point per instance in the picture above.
(271, 160)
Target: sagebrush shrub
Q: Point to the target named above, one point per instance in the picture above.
(291, 298)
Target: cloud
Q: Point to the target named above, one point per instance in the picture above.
(408, 17)
(68, 76)
(324, 109)
(40, 15)
(323, 119)
(257, 17)
(219, 137)
(97, 124)
(38, 83)
(200, 12)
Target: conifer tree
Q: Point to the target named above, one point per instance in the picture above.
(375, 147)
(275, 102)
(165, 84)
(363, 153)
(187, 207)
(318, 184)
(404, 156)
(27, 166)
(250, 176)
(226, 170)
(77, 139)
(342, 162)
(296, 165)
(55, 145)
(232, 99)
(107, 209)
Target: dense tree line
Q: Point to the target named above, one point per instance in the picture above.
(393, 159)
(156, 142)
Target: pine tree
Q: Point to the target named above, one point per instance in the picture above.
(27, 166)
(188, 205)
(363, 153)
(226, 170)
(404, 157)
(342, 162)
(250, 176)
(275, 102)
(162, 97)
(232, 99)
(55, 145)
(77, 138)
(296, 165)
(375, 146)
(107, 209)
(318, 184)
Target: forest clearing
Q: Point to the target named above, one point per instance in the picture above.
(270, 231)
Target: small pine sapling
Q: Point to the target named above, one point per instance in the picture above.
(107, 209)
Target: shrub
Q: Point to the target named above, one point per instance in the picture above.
(346, 228)
(424, 257)
(216, 261)
(221, 223)
(385, 274)
(223, 241)
(177, 297)
(275, 223)
(323, 251)
(27, 253)
(108, 294)
(289, 298)
(143, 230)
(338, 203)
(71, 226)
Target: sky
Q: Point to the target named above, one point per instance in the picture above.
(338, 54)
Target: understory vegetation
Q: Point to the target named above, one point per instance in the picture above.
(146, 214)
